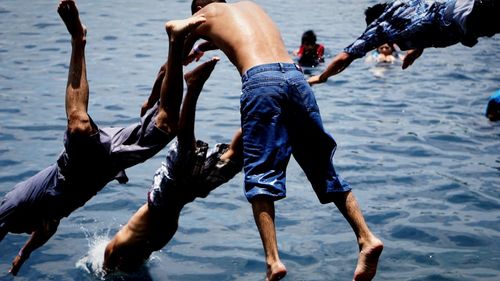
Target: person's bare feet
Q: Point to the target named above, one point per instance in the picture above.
(275, 271)
(69, 14)
(197, 77)
(180, 28)
(368, 260)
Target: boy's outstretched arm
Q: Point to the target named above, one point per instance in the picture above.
(198, 51)
(339, 63)
(38, 238)
(235, 148)
(411, 56)
(155, 91)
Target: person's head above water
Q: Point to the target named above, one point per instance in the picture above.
(196, 5)
(493, 107)
(385, 49)
(308, 38)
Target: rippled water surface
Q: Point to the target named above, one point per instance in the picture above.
(422, 159)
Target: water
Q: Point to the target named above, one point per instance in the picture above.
(415, 145)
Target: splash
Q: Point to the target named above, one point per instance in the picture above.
(92, 262)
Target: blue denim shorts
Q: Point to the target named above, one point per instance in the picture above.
(280, 118)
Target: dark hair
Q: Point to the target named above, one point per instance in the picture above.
(374, 12)
(391, 45)
(493, 107)
(309, 37)
(203, 3)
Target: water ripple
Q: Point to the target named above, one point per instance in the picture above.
(412, 233)
(415, 145)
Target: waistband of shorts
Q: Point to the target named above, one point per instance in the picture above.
(278, 66)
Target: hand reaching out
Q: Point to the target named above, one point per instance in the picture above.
(411, 56)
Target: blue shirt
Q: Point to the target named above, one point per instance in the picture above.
(415, 24)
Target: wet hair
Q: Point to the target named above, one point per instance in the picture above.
(391, 46)
(309, 37)
(493, 107)
(374, 12)
(203, 3)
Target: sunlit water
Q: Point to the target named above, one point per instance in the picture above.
(415, 145)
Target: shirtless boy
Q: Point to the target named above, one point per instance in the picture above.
(190, 171)
(279, 118)
(92, 156)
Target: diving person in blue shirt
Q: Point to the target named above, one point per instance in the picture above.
(418, 24)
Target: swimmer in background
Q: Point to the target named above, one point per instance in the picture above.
(310, 53)
(493, 107)
(385, 53)
(382, 59)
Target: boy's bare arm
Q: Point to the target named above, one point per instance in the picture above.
(339, 63)
(235, 148)
(155, 91)
(200, 32)
(411, 56)
(38, 238)
(198, 51)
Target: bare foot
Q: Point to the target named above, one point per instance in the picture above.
(368, 260)
(180, 28)
(69, 14)
(276, 272)
(197, 77)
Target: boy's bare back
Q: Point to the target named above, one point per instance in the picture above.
(244, 32)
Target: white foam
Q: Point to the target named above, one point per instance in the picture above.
(92, 262)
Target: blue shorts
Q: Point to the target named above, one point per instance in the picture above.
(280, 117)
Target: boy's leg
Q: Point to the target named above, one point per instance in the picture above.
(370, 247)
(77, 89)
(266, 154)
(263, 212)
(195, 80)
(172, 86)
(313, 150)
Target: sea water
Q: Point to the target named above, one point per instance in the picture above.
(421, 157)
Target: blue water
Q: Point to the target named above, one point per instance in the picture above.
(423, 160)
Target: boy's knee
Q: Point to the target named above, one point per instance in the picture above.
(79, 123)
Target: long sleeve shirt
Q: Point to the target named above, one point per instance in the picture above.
(416, 24)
